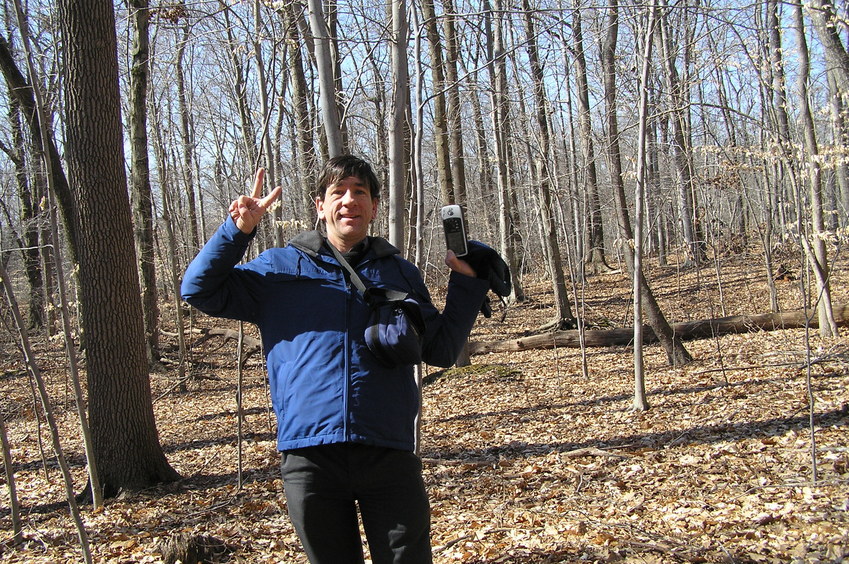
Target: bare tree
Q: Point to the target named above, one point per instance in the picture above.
(187, 136)
(240, 87)
(643, 296)
(679, 104)
(140, 192)
(595, 259)
(121, 413)
(29, 196)
(455, 123)
(397, 145)
(817, 255)
(827, 22)
(440, 110)
(21, 90)
(327, 79)
(305, 156)
(501, 132)
(563, 308)
(35, 372)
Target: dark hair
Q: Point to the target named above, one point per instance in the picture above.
(341, 167)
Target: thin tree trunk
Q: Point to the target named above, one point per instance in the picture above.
(838, 103)
(397, 143)
(644, 300)
(305, 156)
(817, 256)
(501, 128)
(187, 138)
(14, 504)
(29, 197)
(171, 242)
(482, 151)
(596, 261)
(454, 121)
(32, 366)
(265, 109)
(681, 146)
(440, 111)
(608, 51)
(140, 191)
(22, 90)
(563, 308)
(240, 89)
(327, 80)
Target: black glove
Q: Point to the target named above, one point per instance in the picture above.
(489, 265)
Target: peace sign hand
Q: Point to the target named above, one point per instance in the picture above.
(246, 211)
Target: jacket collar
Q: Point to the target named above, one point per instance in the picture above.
(311, 242)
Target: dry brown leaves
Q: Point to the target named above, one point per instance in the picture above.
(526, 459)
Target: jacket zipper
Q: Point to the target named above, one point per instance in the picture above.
(347, 353)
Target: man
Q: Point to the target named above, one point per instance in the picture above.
(345, 419)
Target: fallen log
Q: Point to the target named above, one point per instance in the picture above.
(688, 330)
(251, 345)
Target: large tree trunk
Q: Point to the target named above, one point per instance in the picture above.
(121, 411)
(141, 197)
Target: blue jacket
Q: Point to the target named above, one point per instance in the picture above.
(326, 386)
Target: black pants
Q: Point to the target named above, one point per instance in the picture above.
(324, 485)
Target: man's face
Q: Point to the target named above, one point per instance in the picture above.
(347, 209)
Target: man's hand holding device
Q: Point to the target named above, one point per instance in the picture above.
(454, 226)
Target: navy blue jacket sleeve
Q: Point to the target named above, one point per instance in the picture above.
(213, 285)
(447, 333)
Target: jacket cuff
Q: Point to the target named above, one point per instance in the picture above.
(234, 234)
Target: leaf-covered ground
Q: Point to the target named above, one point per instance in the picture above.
(526, 458)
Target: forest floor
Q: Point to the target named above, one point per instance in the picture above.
(526, 459)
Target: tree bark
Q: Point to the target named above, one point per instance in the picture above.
(121, 411)
(327, 82)
(440, 111)
(398, 124)
(140, 193)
